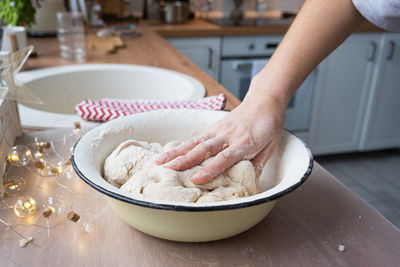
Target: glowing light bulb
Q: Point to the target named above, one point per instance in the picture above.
(19, 155)
(54, 205)
(25, 207)
(47, 213)
(77, 125)
(37, 141)
(28, 205)
(40, 143)
(38, 153)
(42, 167)
(14, 158)
(14, 185)
(61, 167)
(57, 170)
(39, 164)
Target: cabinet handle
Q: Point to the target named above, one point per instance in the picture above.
(392, 46)
(372, 51)
(241, 65)
(271, 45)
(210, 58)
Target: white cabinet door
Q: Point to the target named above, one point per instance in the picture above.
(341, 93)
(382, 127)
(204, 52)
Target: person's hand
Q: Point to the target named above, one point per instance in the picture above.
(251, 131)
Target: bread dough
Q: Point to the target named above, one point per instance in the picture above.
(131, 167)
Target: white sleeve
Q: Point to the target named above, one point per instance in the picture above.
(382, 13)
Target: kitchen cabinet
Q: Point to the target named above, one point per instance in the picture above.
(356, 88)
(356, 98)
(341, 94)
(204, 52)
(382, 124)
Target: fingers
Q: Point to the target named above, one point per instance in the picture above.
(218, 165)
(261, 159)
(179, 150)
(198, 154)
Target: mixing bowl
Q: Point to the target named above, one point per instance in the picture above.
(288, 168)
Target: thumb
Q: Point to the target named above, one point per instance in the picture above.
(261, 159)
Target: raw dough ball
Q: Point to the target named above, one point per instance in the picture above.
(132, 165)
(128, 158)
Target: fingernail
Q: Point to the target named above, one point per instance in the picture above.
(173, 165)
(197, 178)
(160, 159)
(169, 166)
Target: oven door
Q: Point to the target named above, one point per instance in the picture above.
(236, 77)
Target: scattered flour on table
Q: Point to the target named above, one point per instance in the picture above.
(131, 167)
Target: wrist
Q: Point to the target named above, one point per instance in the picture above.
(264, 92)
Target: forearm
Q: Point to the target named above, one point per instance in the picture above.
(320, 27)
(253, 129)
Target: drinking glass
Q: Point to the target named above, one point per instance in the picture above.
(71, 35)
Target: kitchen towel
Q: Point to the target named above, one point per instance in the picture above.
(109, 109)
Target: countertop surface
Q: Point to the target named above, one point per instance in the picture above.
(199, 27)
(305, 228)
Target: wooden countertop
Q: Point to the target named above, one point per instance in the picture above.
(305, 228)
(202, 28)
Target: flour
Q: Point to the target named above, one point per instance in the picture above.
(131, 166)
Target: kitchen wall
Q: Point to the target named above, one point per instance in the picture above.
(227, 5)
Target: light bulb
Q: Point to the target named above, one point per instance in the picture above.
(77, 125)
(39, 164)
(14, 185)
(19, 155)
(54, 205)
(37, 141)
(42, 167)
(25, 207)
(57, 170)
(40, 143)
(38, 153)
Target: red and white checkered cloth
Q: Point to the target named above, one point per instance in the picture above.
(108, 109)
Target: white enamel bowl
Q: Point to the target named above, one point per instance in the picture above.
(61, 88)
(288, 168)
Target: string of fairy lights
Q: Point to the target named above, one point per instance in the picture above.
(38, 158)
(23, 200)
(22, 156)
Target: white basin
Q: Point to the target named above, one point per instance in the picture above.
(61, 88)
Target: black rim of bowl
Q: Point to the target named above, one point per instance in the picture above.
(173, 207)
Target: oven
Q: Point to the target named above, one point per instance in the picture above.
(243, 57)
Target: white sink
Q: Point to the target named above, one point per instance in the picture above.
(61, 88)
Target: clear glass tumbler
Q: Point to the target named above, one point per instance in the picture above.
(153, 11)
(71, 35)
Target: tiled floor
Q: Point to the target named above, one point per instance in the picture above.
(375, 176)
